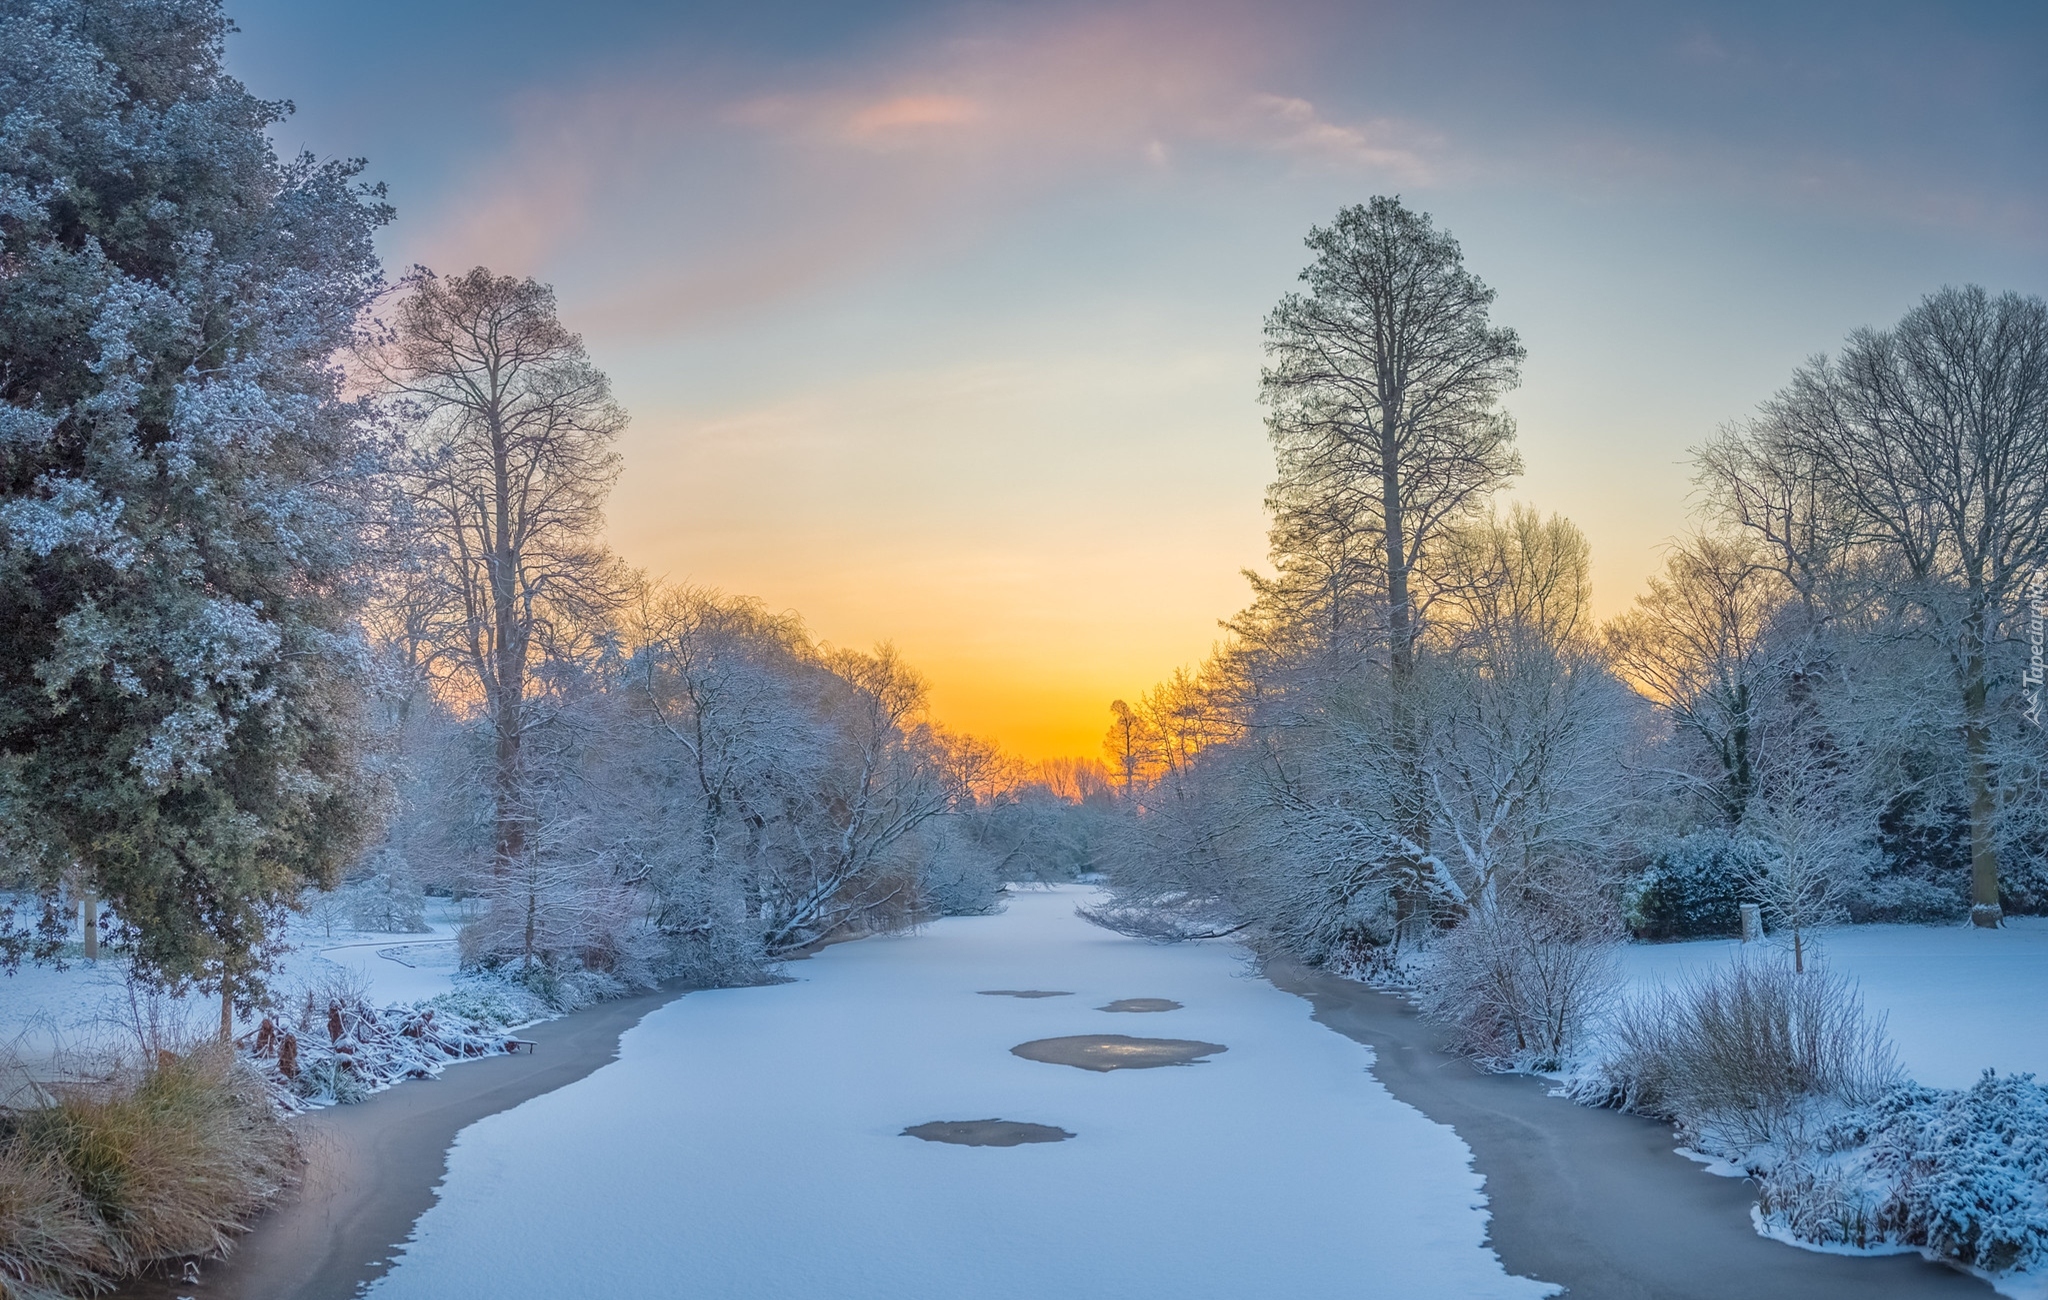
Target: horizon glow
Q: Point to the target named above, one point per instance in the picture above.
(940, 323)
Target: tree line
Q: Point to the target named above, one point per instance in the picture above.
(1416, 734)
(304, 585)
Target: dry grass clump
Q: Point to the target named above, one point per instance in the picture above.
(135, 1167)
(1738, 1051)
(50, 1245)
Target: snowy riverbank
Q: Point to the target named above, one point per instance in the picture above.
(1956, 1000)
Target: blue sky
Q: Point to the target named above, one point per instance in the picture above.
(940, 322)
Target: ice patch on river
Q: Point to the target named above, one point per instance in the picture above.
(748, 1145)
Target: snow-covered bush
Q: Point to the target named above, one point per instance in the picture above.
(1785, 1076)
(390, 902)
(1964, 1172)
(1961, 1174)
(335, 1046)
(496, 1004)
(568, 988)
(1734, 1056)
(1909, 899)
(1691, 887)
(1519, 980)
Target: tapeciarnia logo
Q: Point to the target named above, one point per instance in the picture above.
(2037, 620)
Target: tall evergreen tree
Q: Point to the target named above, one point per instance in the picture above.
(182, 488)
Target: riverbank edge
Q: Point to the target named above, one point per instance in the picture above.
(375, 1167)
(1596, 1200)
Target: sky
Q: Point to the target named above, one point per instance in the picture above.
(939, 323)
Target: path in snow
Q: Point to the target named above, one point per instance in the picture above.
(47, 1013)
(1596, 1199)
(749, 1143)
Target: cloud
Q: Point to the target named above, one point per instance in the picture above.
(894, 114)
(710, 203)
(1295, 126)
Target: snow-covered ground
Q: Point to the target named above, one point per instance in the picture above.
(1956, 999)
(85, 1005)
(748, 1144)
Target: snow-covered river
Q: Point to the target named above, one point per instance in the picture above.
(748, 1143)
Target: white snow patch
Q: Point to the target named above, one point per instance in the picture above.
(86, 1005)
(1957, 1000)
(1715, 1165)
(748, 1144)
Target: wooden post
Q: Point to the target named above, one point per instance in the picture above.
(1752, 923)
(89, 916)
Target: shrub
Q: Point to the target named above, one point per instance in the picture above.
(1519, 980)
(1731, 1055)
(1909, 899)
(390, 902)
(1692, 886)
(137, 1167)
(174, 1163)
(1968, 1169)
(50, 1247)
(339, 1047)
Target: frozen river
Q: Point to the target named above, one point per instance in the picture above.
(749, 1143)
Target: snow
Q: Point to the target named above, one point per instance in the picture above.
(748, 1143)
(1964, 1164)
(1956, 999)
(44, 1010)
(400, 969)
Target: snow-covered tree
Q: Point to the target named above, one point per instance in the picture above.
(510, 430)
(1924, 449)
(1699, 644)
(182, 485)
(1384, 389)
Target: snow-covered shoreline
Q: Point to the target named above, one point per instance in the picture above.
(1956, 1000)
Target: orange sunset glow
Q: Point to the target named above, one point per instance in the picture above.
(948, 336)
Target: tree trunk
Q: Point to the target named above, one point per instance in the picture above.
(510, 668)
(1399, 616)
(227, 1007)
(89, 918)
(508, 810)
(1984, 906)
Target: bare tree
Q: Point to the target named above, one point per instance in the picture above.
(1129, 744)
(1930, 442)
(511, 461)
(1697, 643)
(1384, 386)
(1808, 814)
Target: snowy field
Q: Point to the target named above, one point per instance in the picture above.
(1956, 999)
(748, 1144)
(44, 1011)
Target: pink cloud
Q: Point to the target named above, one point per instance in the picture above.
(718, 203)
(900, 111)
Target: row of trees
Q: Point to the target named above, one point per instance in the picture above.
(302, 575)
(1416, 730)
(673, 779)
